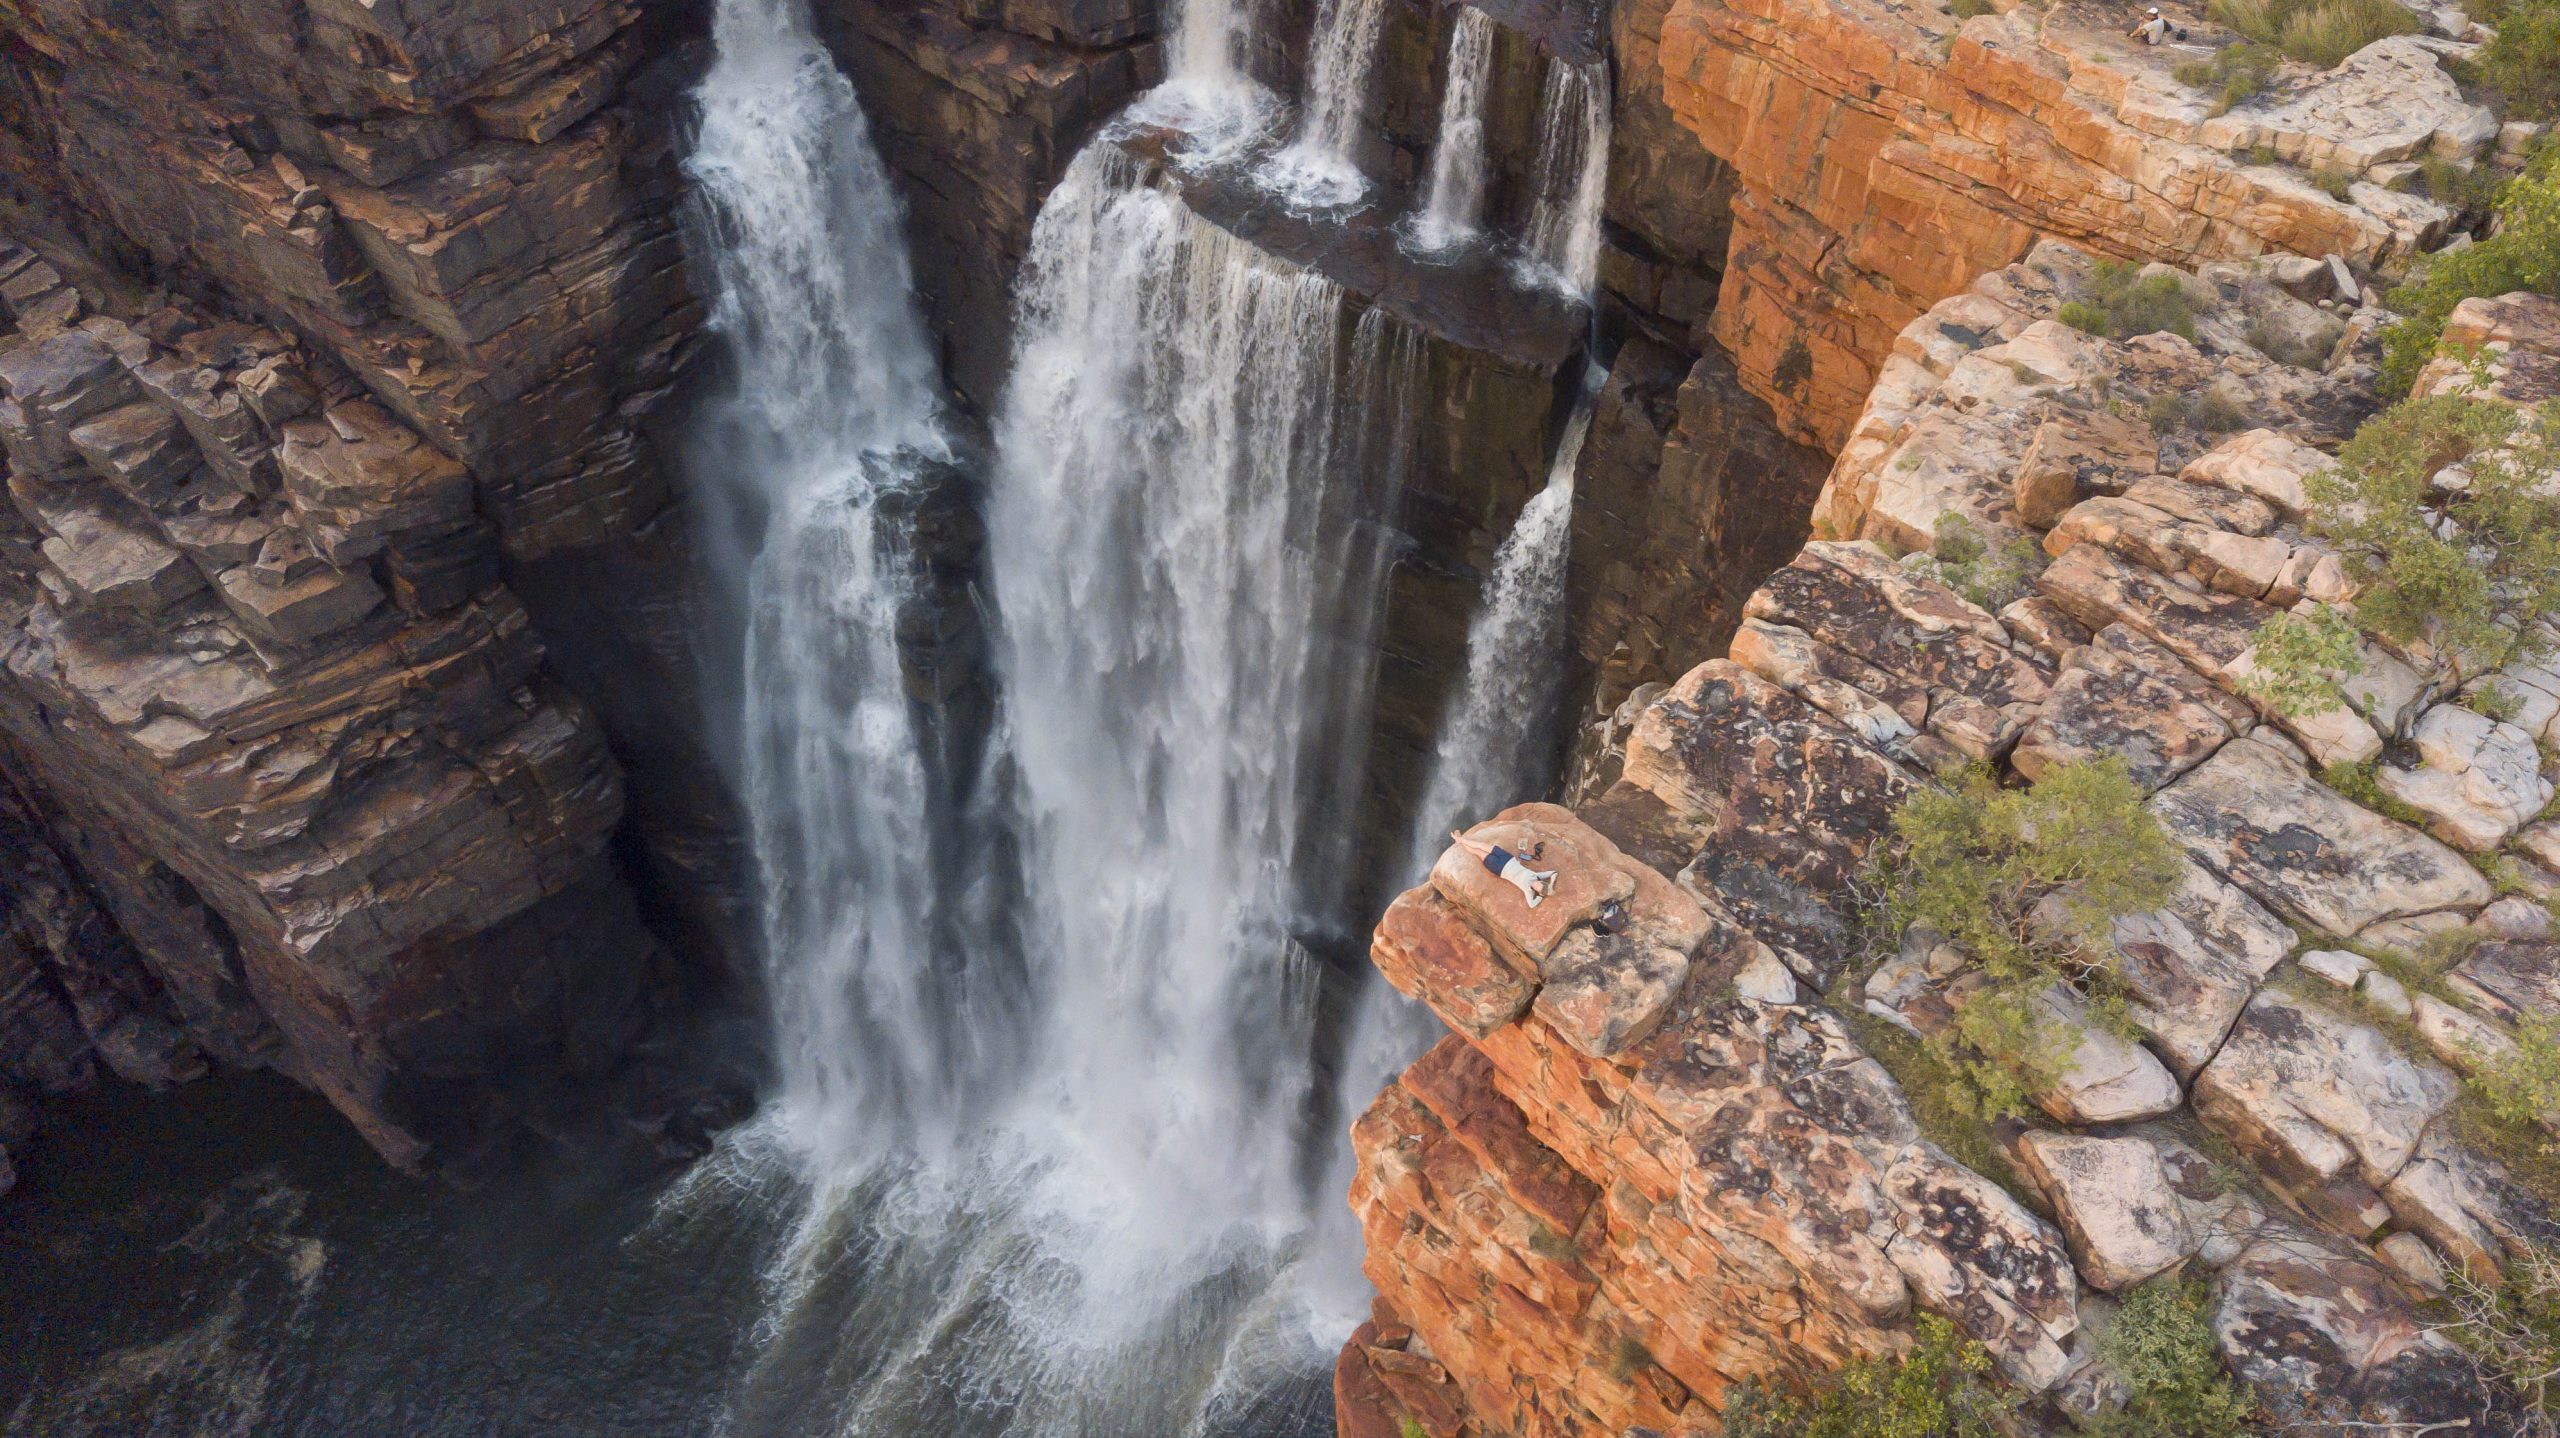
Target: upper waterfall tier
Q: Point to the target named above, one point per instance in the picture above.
(1473, 300)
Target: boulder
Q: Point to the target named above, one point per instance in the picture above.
(2126, 697)
(2319, 1096)
(1426, 948)
(2478, 780)
(2114, 1202)
(2252, 814)
(2189, 967)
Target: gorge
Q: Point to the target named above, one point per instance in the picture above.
(800, 653)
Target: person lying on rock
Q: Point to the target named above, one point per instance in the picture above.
(1533, 884)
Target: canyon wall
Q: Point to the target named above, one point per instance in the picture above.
(335, 338)
(1653, 1160)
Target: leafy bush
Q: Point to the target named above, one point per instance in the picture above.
(2235, 73)
(2301, 662)
(2523, 255)
(2356, 782)
(1965, 562)
(1942, 1389)
(2125, 302)
(2162, 1345)
(1975, 862)
(2524, 1086)
(2322, 32)
(2449, 182)
(2523, 63)
(2482, 591)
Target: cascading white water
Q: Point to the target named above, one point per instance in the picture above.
(832, 408)
(1316, 168)
(1572, 174)
(1489, 745)
(1166, 540)
(1453, 200)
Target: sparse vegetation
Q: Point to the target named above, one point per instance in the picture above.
(2336, 184)
(2450, 182)
(1993, 576)
(2472, 568)
(2356, 782)
(1942, 1389)
(2125, 302)
(2321, 32)
(2511, 1329)
(2162, 1345)
(1967, 9)
(2301, 662)
(1976, 863)
(2167, 411)
(2524, 1086)
(1627, 1354)
(2523, 63)
(2218, 413)
(2234, 74)
(2524, 254)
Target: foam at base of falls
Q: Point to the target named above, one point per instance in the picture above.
(1317, 168)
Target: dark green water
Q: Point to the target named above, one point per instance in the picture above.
(229, 1259)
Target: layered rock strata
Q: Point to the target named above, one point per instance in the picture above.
(471, 209)
(284, 554)
(1883, 155)
(1653, 1160)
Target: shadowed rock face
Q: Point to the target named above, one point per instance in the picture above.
(266, 684)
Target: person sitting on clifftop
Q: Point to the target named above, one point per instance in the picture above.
(1500, 862)
(2154, 29)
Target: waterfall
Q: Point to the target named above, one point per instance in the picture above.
(1492, 740)
(1170, 534)
(1453, 200)
(1317, 166)
(1572, 174)
(832, 411)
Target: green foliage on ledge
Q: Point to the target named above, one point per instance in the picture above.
(2524, 254)
(1942, 1389)
(2473, 570)
(1975, 861)
(2321, 32)
(2125, 302)
(2162, 1345)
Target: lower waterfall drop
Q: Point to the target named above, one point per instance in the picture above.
(832, 410)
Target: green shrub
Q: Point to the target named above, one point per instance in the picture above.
(2084, 317)
(2138, 304)
(1410, 1427)
(2449, 182)
(2168, 410)
(2301, 663)
(2482, 592)
(1967, 9)
(2336, 184)
(2524, 1086)
(2523, 63)
(1993, 577)
(2219, 413)
(2356, 782)
(1942, 1389)
(2322, 32)
(2523, 255)
(2162, 1345)
(1975, 860)
(2235, 73)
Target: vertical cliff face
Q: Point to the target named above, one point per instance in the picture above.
(289, 529)
(1881, 156)
(1653, 1160)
